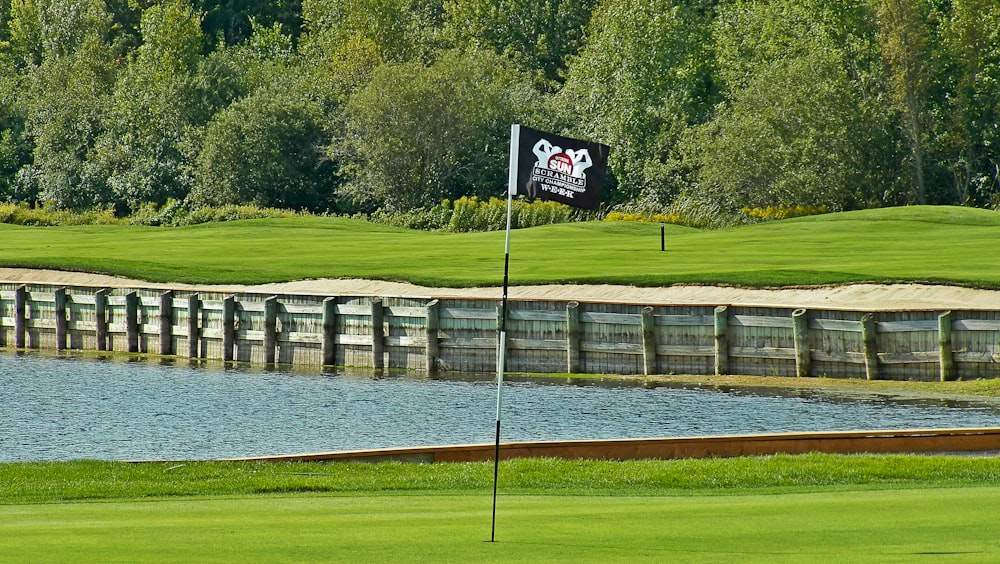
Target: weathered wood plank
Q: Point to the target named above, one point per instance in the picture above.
(467, 313)
(301, 338)
(469, 342)
(844, 325)
(760, 321)
(838, 356)
(976, 325)
(685, 350)
(406, 311)
(684, 320)
(774, 353)
(611, 318)
(535, 344)
(536, 315)
(301, 309)
(352, 309)
(910, 357)
(978, 357)
(82, 299)
(625, 348)
(363, 340)
(911, 326)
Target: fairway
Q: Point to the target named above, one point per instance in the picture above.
(874, 526)
(929, 244)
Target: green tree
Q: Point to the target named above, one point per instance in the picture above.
(793, 135)
(402, 30)
(267, 149)
(642, 79)
(24, 33)
(15, 151)
(235, 20)
(904, 39)
(418, 134)
(968, 135)
(538, 34)
(803, 121)
(152, 114)
(65, 101)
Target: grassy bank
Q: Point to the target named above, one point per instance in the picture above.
(931, 244)
(818, 508)
(98, 480)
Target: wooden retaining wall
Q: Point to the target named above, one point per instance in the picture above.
(985, 442)
(542, 336)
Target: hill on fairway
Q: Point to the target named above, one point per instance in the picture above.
(915, 244)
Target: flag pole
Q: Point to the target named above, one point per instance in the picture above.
(515, 131)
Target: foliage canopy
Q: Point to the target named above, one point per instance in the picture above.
(347, 106)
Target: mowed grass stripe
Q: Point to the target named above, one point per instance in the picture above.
(932, 244)
(887, 526)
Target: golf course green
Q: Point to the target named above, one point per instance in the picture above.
(917, 244)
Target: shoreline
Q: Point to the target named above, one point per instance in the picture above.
(867, 297)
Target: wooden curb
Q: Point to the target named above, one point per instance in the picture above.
(984, 441)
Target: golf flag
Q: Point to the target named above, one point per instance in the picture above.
(553, 167)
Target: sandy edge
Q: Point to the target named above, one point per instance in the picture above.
(863, 297)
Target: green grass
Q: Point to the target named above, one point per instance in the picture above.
(98, 480)
(928, 244)
(782, 508)
(953, 525)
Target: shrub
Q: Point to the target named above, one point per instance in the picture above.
(48, 215)
(771, 213)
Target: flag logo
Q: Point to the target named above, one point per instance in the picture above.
(563, 169)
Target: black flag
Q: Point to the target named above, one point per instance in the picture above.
(558, 168)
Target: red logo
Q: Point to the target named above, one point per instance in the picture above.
(561, 162)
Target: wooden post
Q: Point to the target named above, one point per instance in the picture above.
(167, 323)
(270, 329)
(944, 343)
(101, 317)
(800, 330)
(20, 316)
(868, 336)
(648, 341)
(329, 331)
(573, 337)
(228, 328)
(432, 326)
(132, 321)
(60, 300)
(378, 334)
(194, 327)
(721, 340)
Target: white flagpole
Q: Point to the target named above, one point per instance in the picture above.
(515, 134)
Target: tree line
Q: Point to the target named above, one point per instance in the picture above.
(347, 106)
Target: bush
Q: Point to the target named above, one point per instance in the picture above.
(48, 215)
(771, 213)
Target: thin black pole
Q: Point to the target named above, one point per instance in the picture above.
(502, 339)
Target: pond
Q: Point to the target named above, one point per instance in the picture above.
(59, 408)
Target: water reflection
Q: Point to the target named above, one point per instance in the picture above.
(66, 408)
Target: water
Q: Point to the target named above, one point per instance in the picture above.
(62, 408)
